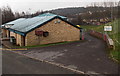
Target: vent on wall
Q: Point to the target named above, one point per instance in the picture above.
(55, 22)
(45, 34)
(58, 21)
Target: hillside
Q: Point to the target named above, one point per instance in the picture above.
(87, 15)
(69, 11)
(77, 10)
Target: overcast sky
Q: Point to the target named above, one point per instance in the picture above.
(34, 5)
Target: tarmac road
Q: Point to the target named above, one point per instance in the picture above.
(89, 56)
(17, 64)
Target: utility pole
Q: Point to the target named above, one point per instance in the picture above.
(0, 17)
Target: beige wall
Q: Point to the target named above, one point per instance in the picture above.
(58, 32)
(4, 32)
(8, 33)
(13, 34)
(19, 38)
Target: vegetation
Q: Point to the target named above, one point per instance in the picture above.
(8, 15)
(76, 15)
(114, 34)
(44, 45)
(115, 55)
(98, 28)
(96, 13)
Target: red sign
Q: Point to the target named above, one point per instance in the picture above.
(39, 32)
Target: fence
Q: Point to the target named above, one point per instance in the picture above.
(105, 37)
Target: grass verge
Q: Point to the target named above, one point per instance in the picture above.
(115, 55)
(45, 45)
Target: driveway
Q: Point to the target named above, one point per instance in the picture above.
(89, 56)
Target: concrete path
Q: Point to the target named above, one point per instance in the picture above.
(89, 56)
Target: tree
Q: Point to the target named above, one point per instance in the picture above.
(80, 20)
(7, 14)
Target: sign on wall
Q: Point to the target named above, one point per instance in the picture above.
(107, 28)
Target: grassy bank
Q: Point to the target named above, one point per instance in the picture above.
(114, 34)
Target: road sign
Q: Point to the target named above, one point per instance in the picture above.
(107, 28)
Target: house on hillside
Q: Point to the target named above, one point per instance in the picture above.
(42, 29)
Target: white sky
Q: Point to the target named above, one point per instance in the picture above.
(34, 5)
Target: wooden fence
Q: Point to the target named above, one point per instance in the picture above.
(104, 37)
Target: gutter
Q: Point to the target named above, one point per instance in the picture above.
(21, 33)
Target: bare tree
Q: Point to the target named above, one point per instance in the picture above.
(7, 14)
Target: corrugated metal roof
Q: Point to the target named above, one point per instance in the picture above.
(16, 21)
(13, 22)
(30, 23)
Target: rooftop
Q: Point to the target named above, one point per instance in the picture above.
(25, 25)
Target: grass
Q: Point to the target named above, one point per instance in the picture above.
(98, 28)
(45, 45)
(115, 55)
(114, 34)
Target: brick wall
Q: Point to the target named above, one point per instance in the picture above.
(96, 34)
(58, 32)
(105, 37)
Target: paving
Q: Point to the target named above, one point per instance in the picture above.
(8, 44)
(13, 63)
(89, 56)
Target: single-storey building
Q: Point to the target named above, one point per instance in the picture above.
(42, 29)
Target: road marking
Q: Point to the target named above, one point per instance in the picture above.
(13, 49)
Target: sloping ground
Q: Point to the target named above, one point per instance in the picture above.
(89, 56)
(14, 64)
(115, 35)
